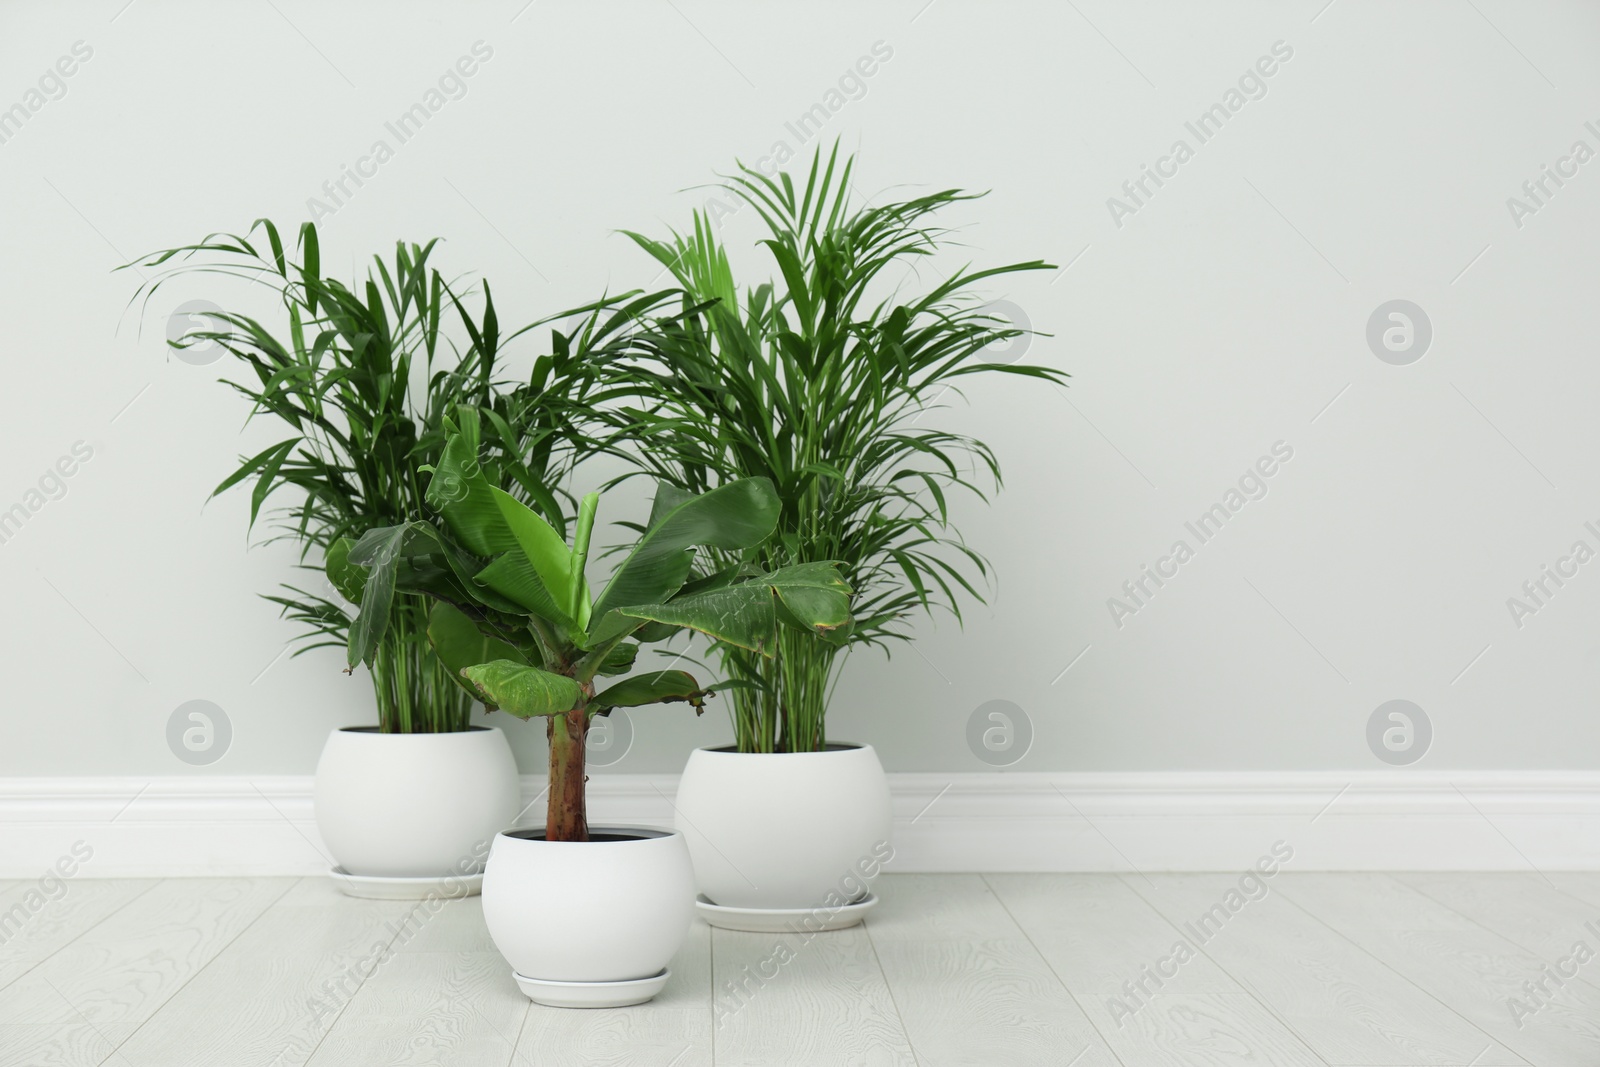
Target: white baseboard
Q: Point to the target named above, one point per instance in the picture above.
(1148, 821)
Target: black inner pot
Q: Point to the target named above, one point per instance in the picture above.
(631, 835)
(375, 729)
(829, 747)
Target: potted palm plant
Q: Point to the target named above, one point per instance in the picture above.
(362, 379)
(587, 916)
(816, 384)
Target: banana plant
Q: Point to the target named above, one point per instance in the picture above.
(514, 620)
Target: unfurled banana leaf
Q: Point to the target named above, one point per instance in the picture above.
(808, 596)
(657, 687)
(459, 644)
(620, 659)
(733, 517)
(522, 690)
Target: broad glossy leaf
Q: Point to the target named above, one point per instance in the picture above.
(746, 615)
(743, 616)
(668, 497)
(381, 551)
(733, 517)
(514, 578)
(657, 687)
(459, 644)
(463, 497)
(544, 548)
(522, 690)
(582, 531)
(815, 594)
(348, 578)
(620, 659)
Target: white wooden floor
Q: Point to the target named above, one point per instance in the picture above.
(993, 970)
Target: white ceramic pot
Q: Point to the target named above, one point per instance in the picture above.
(786, 830)
(414, 805)
(589, 923)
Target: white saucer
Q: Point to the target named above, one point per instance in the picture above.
(591, 994)
(373, 887)
(785, 920)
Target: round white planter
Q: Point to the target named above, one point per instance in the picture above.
(422, 806)
(789, 830)
(589, 923)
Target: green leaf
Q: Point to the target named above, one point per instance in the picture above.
(619, 660)
(539, 543)
(348, 578)
(733, 517)
(522, 690)
(382, 556)
(514, 578)
(459, 644)
(580, 558)
(658, 687)
(813, 595)
(273, 456)
(463, 497)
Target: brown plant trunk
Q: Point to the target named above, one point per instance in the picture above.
(566, 817)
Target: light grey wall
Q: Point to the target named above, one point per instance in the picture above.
(1204, 323)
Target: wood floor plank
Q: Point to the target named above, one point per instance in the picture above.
(271, 996)
(1585, 885)
(1348, 1007)
(1354, 970)
(1479, 974)
(673, 1030)
(425, 1008)
(821, 1001)
(939, 907)
(971, 989)
(1526, 908)
(34, 926)
(98, 989)
(1198, 1030)
(1098, 934)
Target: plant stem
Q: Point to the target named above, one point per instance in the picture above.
(414, 691)
(566, 818)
